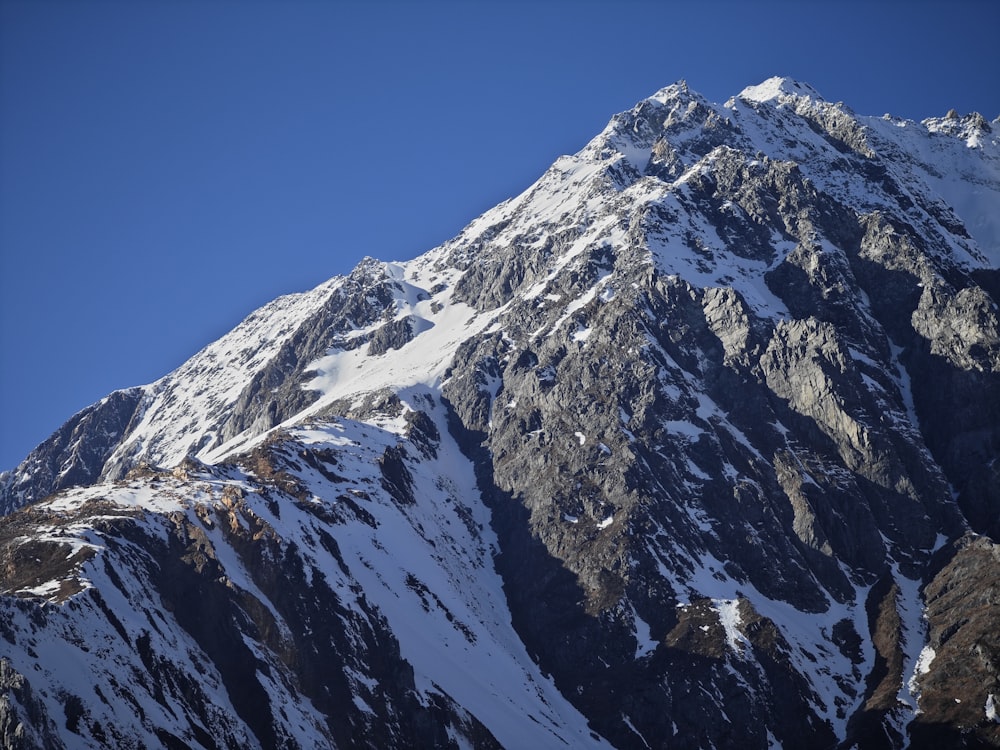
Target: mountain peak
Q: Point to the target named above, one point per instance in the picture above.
(674, 91)
(779, 87)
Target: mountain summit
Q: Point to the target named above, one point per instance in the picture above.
(693, 444)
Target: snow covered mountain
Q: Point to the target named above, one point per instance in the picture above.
(693, 444)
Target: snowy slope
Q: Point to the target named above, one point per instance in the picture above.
(181, 411)
(423, 571)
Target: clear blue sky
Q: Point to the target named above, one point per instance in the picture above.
(167, 167)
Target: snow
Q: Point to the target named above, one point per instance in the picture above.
(684, 428)
(669, 94)
(181, 411)
(991, 709)
(134, 497)
(922, 667)
(930, 167)
(630, 725)
(729, 615)
(777, 88)
(917, 653)
(181, 408)
(422, 361)
(645, 644)
(581, 334)
(45, 590)
(671, 245)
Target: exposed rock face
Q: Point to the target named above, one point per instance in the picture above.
(24, 722)
(959, 674)
(694, 444)
(75, 454)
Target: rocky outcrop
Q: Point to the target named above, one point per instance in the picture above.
(75, 454)
(24, 722)
(804, 434)
(959, 671)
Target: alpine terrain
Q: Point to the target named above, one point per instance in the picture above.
(694, 444)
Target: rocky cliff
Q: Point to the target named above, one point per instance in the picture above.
(693, 444)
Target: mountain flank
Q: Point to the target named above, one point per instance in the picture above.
(693, 444)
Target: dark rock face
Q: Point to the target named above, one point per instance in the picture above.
(813, 451)
(75, 454)
(692, 445)
(24, 722)
(963, 650)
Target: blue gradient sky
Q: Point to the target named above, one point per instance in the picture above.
(165, 168)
